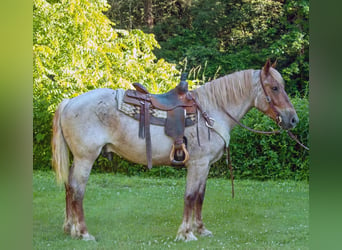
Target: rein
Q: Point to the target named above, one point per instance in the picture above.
(250, 129)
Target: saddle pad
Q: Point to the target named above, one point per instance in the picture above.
(158, 117)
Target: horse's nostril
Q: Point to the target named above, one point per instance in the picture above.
(294, 120)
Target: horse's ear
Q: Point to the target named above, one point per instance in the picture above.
(267, 67)
(274, 65)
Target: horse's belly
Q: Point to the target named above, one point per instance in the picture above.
(127, 143)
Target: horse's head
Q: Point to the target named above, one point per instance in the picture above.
(273, 100)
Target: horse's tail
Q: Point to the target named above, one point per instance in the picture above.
(60, 151)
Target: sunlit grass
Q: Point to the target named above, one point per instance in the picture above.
(145, 213)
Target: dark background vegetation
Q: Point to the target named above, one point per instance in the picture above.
(221, 37)
(210, 39)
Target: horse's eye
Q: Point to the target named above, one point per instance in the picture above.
(275, 88)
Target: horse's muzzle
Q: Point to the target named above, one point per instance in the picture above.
(288, 119)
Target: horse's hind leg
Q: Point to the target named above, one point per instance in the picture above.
(68, 211)
(75, 189)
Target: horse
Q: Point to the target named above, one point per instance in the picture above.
(91, 122)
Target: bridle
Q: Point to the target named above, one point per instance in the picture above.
(269, 100)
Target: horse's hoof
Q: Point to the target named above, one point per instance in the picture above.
(186, 237)
(205, 233)
(88, 237)
(74, 232)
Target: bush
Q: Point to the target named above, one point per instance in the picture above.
(257, 156)
(76, 49)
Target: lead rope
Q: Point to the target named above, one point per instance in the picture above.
(229, 161)
(296, 140)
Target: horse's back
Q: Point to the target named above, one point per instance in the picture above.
(90, 99)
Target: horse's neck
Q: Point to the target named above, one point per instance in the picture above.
(236, 108)
(241, 109)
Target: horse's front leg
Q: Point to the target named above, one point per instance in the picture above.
(193, 200)
(185, 230)
(198, 224)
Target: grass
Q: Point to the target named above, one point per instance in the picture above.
(145, 213)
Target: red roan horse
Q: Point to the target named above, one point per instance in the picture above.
(88, 123)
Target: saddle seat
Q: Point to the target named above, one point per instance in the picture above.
(177, 103)
(177, 97)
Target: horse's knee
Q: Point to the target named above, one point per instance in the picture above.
(200, 197)
(190, 198)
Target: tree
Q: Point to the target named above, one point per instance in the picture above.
(76, 49)
(148, 13)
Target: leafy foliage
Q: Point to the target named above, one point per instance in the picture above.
(76, 49)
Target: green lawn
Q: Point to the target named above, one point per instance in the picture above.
(145, 213)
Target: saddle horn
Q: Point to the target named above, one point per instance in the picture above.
(182, 87)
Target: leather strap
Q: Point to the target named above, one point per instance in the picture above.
(142, 120)
(209, 121)
(269, 99)
(296, 140)
(229, 161)
(148, 136)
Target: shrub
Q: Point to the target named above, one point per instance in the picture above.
(262, 157)
(76, 49)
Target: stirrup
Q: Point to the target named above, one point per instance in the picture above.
(172, 156)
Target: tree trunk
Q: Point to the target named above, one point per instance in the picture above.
(148, 14)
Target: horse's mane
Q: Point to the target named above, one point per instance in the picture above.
(229, 89)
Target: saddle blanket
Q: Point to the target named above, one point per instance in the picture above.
(157, 117)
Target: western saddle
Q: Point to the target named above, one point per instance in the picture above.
(178, 102)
